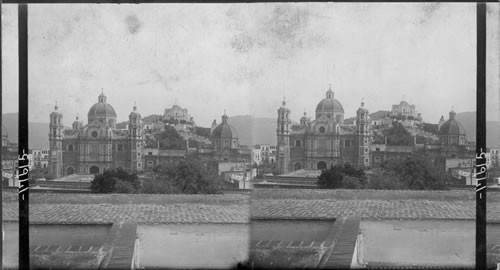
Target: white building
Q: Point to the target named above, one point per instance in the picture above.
(256, 156)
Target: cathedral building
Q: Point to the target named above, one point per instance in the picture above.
(324, 141)
(96, 146)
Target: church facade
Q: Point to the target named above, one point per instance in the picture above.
(96, 146)
(324, 141)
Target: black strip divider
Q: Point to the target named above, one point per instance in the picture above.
(481, 137)
(23, 169)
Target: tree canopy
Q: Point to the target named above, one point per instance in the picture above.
(183, 176)
(170, 139)
(417, 172)
(342, 177)
(398, 135)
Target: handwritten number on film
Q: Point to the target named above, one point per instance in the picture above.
(480, 172)
(23, 174)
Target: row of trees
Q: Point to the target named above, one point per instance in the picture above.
(183, 176)
(414, 172)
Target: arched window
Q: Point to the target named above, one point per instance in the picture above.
(94, 170)
(298, 166)
(321, 165)
(297, 143)
(70, 147)
(322, 129)
(70, 171)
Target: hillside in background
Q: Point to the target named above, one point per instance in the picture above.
(38, 132)
(251, 130)
(375, 115)
(468, 120)
(254, 130)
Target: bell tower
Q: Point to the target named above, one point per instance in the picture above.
(363, 136)
(55, 139)
(283, 134)
(136, 140)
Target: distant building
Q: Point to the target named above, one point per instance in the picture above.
(148, 126)
(404, 109)
(383, 152)
(256, 156)
(325, 141)
(9, 161)
(495, 157)
(153, 157)
(267, 152)
(97, 145)
(177, 113)
(40, 158)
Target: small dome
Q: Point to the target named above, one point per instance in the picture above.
(56, 112)
(329, 104)
(225, 130)
(452, 126)
(101, 108)
(362, 108)
(134, 111)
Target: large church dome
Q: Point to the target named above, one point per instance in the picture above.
(224, 135)
(452, 127)
(102, 111)
(452, 132)
(225, 130)
(330, 107)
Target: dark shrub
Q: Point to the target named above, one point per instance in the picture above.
(107, 181)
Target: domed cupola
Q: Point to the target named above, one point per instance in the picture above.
(77, 124)
(304, 119)
(103, 112)
(362, 115)
(452, 132)
(330, 107)
(225, 135)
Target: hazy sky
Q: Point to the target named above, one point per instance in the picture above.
(245, 57)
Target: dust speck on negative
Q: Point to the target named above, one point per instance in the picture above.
(133, 24)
